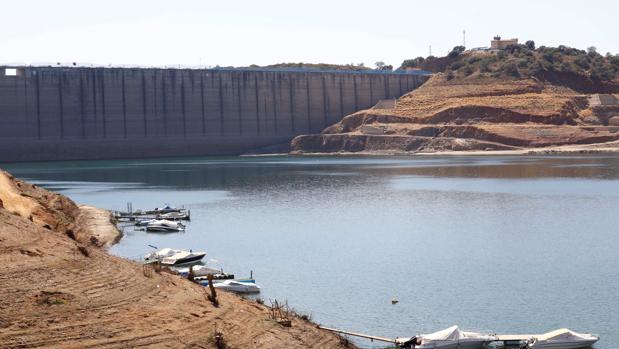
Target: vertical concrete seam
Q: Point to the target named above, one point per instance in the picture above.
(257, 104)
(291, 102)
(144, 120)
(183, 101)
(221, 106)
(82, 107)
(238, 101)
(103, 108)
(308, 103)
(325, 106)
(124, 101)
(38, 89)
(202, 103)
(61, 102)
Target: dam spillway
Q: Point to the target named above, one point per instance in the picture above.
(60, 113)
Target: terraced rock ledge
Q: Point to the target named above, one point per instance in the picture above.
(59, 288)
(477, 113)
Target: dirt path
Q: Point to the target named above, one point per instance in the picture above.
(59, 290)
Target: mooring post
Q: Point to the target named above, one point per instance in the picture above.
(213, 296)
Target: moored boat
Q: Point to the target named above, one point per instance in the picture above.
(175, 216)
(449, 338)
(164, 225)
(202, 272)
(168, 256)
(562, 339)
(237, 286)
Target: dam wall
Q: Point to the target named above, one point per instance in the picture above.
(58, 113)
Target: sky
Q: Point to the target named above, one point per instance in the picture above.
(239, 33)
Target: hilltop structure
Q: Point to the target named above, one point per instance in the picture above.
(498, 44)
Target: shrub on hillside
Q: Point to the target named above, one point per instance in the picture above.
(412, 63)
(456, 51)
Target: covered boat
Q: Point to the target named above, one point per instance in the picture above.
(202, 271)
(168, 256)
(164, 225)
(562, 339)
(174, 215)
(237, 286)
(449, 338)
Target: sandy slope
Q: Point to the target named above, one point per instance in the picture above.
(59, 289)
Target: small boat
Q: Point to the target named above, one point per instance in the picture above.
(449, 338)
(562, 339)
(165, 209)
(143, 222)
(202, 271)
(164, 225)
(168, 256)
(174, 216)
(237, 286)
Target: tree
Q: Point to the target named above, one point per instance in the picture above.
(412, 63)
(592, 51)
(379, 65)
(456, 51)
(530, 44)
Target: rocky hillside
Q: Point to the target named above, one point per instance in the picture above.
(59, 289)
(481, 110)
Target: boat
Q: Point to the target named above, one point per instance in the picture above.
(143, 222)
(449, 338)
(174, 216)
(237, 286)
(562, 339)
(202, 272)
(164, 225)
(165, 209)
(168, 256)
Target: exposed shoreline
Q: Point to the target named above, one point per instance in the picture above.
(62, 289)
(597, 148)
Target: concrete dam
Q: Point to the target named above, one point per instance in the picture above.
(57, 113)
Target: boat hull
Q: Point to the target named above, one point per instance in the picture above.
(453, 345)
(186, 260)
(562, 344)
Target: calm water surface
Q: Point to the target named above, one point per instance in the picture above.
(504, 244)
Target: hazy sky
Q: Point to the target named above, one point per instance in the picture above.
(191, 32)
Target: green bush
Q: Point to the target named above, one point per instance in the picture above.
(456, 51)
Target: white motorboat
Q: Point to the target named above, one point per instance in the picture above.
(562, 339)
(168, 256)
(164, 225)
(143, 222)
(174, 216)
(449, 338)
(237, 286)
(202, 271)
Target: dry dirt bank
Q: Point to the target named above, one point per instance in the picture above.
(60, 289)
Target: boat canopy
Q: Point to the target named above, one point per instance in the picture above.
(452, 333)
(562, 334)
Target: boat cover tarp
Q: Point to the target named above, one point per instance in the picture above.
(563, 334)
(452, 333)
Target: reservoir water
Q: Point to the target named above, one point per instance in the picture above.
(502, 244)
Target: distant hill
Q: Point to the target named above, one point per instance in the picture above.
(517, 99)
(314, 66)
(523, 61)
